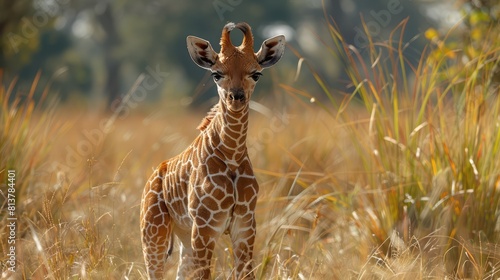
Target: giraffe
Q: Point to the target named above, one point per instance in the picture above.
(210, 188)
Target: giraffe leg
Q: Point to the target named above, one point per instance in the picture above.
(185, 254)
(243, 227)
(156, 228)
(243, 238)
(203, 244)
(207, 228)
(195, 255)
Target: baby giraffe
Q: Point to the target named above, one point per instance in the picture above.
(210, 189)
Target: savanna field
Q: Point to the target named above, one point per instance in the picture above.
(395, 176)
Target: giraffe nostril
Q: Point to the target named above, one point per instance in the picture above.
(238, 94)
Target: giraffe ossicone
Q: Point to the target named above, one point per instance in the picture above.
(210, 188)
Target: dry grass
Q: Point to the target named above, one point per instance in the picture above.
(396, 179)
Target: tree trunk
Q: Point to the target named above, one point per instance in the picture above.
(113, 63)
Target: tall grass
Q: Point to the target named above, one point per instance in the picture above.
(50, 241)
(27, 128)
(429, 189)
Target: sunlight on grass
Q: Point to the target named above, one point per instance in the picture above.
(428, 196)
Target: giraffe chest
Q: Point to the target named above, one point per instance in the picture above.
(210, 190)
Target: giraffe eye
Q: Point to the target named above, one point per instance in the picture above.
(256, 76)
(217, 76)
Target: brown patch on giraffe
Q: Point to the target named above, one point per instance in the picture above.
(242, 181)
(248, 195)
(229, 142)
(158, 219)
(236, 127)
(210, 203)
(219, 216)
(232, 135)
(217, 193)
(207, 231)
(227, 202)
(247, 218)
(201, 240)
(202, 213)
(240, 210)
(178, 206)
(195, 161)
(150, 196)
(214, 168)
(162, 168)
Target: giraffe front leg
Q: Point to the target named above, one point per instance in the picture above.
(156, 229)
(184, 271)
(205, 233)
(203, 247)
(208, 225)
(243, 228)
(243, 238)
(194, 263)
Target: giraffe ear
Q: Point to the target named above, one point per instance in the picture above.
(271, 51)
(201, 52)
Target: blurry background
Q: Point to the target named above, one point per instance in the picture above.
(94, 50)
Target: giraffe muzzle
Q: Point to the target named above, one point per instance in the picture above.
(237, 95)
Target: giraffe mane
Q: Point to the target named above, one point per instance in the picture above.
(208, 118)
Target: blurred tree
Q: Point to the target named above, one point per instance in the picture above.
(104, 45)
(110, 44)
(482, 21)
(477, 39)
(19, 37)
(30, 41)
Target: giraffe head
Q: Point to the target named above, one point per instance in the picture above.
(236, 69)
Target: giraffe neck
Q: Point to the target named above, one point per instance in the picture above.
(228, 133)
